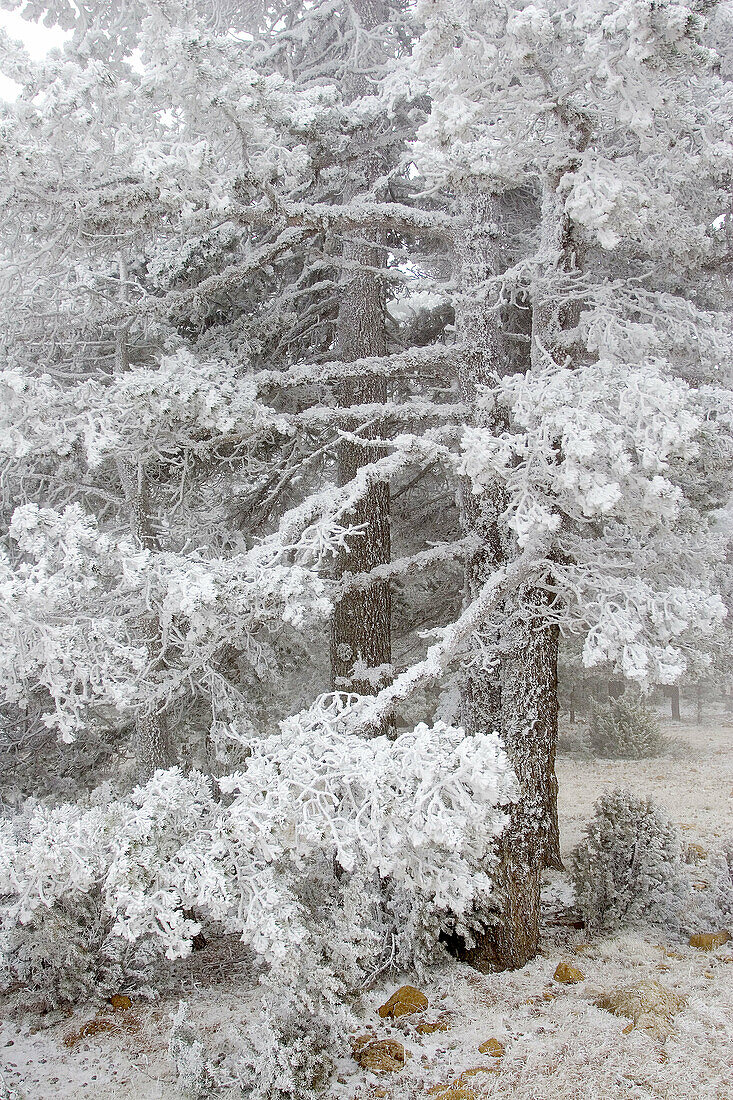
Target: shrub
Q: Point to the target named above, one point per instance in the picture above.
(310, 852)
(574, 742)
(628, 868)
(625, 728)
(712, 909)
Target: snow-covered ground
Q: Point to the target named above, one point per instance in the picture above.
(558, 1044)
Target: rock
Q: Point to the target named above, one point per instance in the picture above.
(708, 941)
(492, 1047)
(695, 853)
(429, 1027)
(89, 1029)
(568, 974)
(379, 1055)
(473, 1072)
(449, 1092)
(647, 1004)
(403, 1001)
(120, 1002)
(463, 1088)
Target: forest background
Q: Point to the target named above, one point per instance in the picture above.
(364, 364)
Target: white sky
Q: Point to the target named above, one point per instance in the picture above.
(36, 38)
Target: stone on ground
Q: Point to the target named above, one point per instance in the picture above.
(403, 1001)
(568, 974)
(379, 1055)
(647, 1004)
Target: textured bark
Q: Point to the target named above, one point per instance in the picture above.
(554, 331)
(527, 698)
(153, 745)
(361, 627)
(518, 695)
(361, 624)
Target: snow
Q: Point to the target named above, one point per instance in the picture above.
(559, 1044)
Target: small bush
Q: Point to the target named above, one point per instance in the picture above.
(67, 953)
(628, 868)
(575, 742)
(625, 728)
(712, 909)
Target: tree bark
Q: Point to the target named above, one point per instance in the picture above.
(361, 639)
(517, 693)
(361, 626)
(616, 689)
(152, 743)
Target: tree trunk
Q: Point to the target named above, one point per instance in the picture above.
(153, 746)
(616, 689)
(518, 694)
(674, 697)
(360, 633)
(361, 641)
(152, 742)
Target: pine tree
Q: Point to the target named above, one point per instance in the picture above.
(560, 125)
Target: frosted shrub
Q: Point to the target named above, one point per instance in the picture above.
(722, 892)
(320, 841)
(196, 1073)
(628, 868)
(712, 909)
(55, 954)
(575, 742)
(625, 728)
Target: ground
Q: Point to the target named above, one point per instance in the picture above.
(558, 1044)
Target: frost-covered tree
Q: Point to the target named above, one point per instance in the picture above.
(273, 274)
(195, 251)
(588, 146)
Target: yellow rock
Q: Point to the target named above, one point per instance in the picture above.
(647, 1004)
(708, 941)
(492, 1047)
(473, 1072)
(462, 1088)
(403, 1001)
(379, 1055)
(568, 974)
